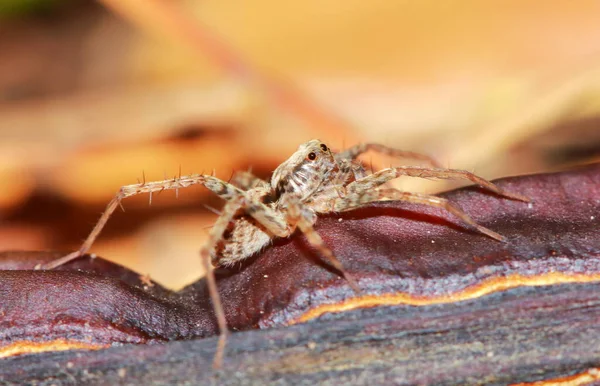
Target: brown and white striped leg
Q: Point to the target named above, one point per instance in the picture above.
(360, 198)
(355, 151)
(221, 188)
(228, 212)
(245, 180)
(305, 224)
(375, 180)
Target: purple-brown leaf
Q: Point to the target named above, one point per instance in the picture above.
(400, 254)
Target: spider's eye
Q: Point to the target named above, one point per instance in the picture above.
(324, 147)
(311, 156)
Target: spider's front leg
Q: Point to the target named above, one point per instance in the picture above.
(304, 220)
(221, 188)
(283, 223)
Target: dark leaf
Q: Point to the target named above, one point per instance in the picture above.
(537, 321)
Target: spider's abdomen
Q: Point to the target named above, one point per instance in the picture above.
(241, 240)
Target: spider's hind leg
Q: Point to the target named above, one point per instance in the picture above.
(245, 180)
(355, 151)
(381, 177)
(219, 187)
(364, 197)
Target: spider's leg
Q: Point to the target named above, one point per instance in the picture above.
(353, 152)
(283, 226)
(304, 222)
(221, 188)
(245, 180)
(374, 180)
(229, 211)
(364, 197)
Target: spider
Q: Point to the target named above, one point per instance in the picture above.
(314, 180)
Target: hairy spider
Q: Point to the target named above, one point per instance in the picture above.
(313, 180)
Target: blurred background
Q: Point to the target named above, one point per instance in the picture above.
(93, 95)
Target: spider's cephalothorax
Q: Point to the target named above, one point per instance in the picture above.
(307, 171)
(313, 180)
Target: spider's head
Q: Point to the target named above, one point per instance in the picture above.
(304, 172)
